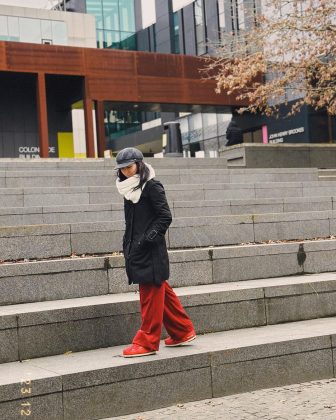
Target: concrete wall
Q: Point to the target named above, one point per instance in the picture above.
(81, 28)
(249, 155)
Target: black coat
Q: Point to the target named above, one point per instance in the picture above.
(234, 134)
(144, 244)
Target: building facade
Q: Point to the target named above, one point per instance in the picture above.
(19, 130)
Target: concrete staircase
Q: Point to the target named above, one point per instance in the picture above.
(245, 260)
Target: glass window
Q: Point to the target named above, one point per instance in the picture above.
(184, 127)
(128, 41)
(3, 28)
(176, 46)
(195, 125)
(200, 28)
(30, 30)
(112, 39)
(127, 15)
(13, 28)
(46, 29)
(95, 7)
(59, 32)
(100, 39)
(209, 125)
(221, 15)
(111, 15)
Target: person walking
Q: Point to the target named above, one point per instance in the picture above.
(147, 217)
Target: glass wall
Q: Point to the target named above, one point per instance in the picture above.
(200, 28)
(176, 34)
(204, 131)
(115, 22)
(36, 31)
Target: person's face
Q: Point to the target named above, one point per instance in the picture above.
(129, 170)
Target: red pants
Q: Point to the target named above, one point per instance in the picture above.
(160, 305)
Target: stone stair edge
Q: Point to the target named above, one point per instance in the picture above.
(174, 204)
(198, 295)
(185, 221)
(104, 366)
(78, 262)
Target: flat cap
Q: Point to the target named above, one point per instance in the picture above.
(128, 156)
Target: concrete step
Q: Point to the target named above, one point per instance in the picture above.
(77, 277)
(55, 163)
(106, 177)
(100, 383)
(61, 240)
(16, 216)
(46, 328)
(54, 196)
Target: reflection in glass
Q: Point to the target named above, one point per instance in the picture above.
(95, 7)
(13, 28)
(200, 28)
(111, 15)
(3, 28)
(176, 36)
(127, 15)
(127, 41)
(117, 19)
(46, 29)
(59, 32)
(30, 30)
(112, 39)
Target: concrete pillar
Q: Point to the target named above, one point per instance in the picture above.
(42, 115)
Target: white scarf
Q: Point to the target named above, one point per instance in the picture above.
(126, 187)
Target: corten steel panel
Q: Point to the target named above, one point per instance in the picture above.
(159, 89)
(44, 58)
(124, 76)
(3, 61)
(114, 88)
(161, 65)
(192, 67)
(102, 62)
(197, 91)
(42, 115)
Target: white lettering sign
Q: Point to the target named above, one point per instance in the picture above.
(34, 149)
(282, 134)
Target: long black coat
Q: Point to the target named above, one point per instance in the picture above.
(144, 244)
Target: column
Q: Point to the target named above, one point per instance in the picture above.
(42, 115)
(88, 108)
(100, 115)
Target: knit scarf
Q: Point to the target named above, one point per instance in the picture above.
(126, 187)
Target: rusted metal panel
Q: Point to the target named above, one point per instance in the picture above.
(159, 65)
(160, 89)
(114, 88)
(3, 59)
(203, 92)
(100, 128)
(88, 119)
(192, 67)
(107, 62)
(44, 58)
(122, 76)
(42, 115)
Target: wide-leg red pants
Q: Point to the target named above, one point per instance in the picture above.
(160, 305)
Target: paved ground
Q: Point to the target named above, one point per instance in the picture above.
(311, 400)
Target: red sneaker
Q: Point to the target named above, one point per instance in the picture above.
(170, 342)
(134, 350)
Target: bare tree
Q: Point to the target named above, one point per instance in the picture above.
(292, 45)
